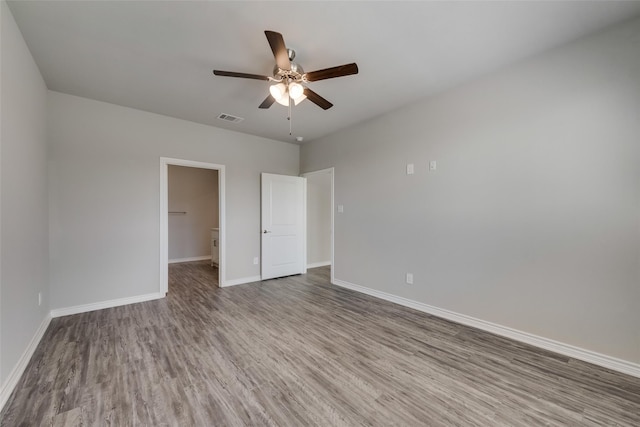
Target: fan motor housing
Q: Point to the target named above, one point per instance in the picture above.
(295, 73)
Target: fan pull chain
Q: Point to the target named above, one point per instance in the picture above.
(289, 118)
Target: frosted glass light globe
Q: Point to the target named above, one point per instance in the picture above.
(283, 101)
(295, 90)
(278, 91)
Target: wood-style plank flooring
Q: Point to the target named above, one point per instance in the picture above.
(295, 352)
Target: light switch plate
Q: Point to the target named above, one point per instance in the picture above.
(410, 169)
(340, 208)
(433, 165)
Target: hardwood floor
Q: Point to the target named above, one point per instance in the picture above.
(298, 351)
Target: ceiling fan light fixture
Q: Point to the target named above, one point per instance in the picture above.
(283, 101)
(278, 92)
(295, 90)
(299, 99)
(288, 76)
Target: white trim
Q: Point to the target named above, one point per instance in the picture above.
(18, 369)
(599, 359)
(241, 281)
(164, 217)
(190, 259)
(330, 170)
(333, 222)
(318, 264)
(59, 312)
(304, 226)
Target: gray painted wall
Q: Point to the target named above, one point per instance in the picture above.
(23, 197)
(318, 217)
(532, 218)
(105, 194)
(194, 191)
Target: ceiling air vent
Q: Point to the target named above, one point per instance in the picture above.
(230, 118)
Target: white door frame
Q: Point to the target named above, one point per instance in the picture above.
(164, 217)
(330, 170)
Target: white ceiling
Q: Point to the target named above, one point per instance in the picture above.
(159, 56)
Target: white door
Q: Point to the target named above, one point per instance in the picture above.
(283, 225)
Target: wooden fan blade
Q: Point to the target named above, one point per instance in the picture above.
(317, 99)
(279, 49)
(241, 75)
(268, 102)
(330, 73)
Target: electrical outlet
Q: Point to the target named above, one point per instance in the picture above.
(39, 298)
(256, 260)
(409, 279)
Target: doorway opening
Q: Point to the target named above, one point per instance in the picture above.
(320, 219)
(192, 230)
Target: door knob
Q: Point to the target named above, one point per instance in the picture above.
(265, 232)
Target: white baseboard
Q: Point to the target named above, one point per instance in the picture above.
(318, 264)
(190, 259)
(18, 369)
(240, 281)
(104, 304)
(599, 359)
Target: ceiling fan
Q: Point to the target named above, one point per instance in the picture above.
(289, 77)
